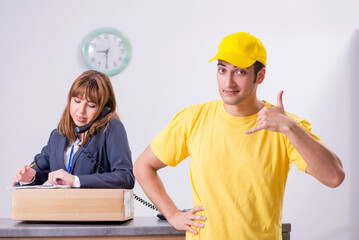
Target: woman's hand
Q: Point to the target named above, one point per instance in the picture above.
(188, 220)
(24, 174)
(61, 177)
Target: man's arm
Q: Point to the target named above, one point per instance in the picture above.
(323, 164)
(145, 171)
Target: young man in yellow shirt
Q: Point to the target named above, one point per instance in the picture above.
(241, 149)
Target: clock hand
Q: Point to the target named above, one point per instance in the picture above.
(106, 52)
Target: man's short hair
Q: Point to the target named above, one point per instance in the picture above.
(257, 67)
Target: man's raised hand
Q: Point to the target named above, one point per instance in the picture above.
(272, 118)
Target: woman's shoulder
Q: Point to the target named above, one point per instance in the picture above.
(55, 133)
(114, 122)
(115, 125)
(55, 137)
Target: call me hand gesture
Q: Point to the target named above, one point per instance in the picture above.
(323, 164)
(273, 118)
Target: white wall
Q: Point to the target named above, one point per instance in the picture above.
(313, 54)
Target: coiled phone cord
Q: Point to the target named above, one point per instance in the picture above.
(144, 202)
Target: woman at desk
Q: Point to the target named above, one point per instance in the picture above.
(94, 155)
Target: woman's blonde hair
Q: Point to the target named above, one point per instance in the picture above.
(97, 88)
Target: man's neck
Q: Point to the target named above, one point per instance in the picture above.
(244, 109)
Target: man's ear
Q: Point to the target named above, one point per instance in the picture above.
(260, 75)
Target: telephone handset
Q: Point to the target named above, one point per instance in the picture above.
(84, 128)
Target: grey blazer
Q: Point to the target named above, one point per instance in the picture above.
(104, 162)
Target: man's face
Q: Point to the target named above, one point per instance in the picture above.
(236, 85)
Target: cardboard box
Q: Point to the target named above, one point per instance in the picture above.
(71, 204)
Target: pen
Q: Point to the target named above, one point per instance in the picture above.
(29, 167)
(32, 165)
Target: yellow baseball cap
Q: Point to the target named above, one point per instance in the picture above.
(242, 50)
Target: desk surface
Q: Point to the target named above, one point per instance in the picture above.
(137, 226)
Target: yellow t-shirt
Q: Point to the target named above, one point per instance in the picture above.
(238, 178)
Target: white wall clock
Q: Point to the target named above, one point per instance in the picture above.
(106, 50)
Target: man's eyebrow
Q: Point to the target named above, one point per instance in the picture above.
(223, 65)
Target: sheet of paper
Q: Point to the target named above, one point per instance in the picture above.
(40, 186)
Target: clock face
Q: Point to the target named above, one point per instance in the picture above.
(106, 50)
